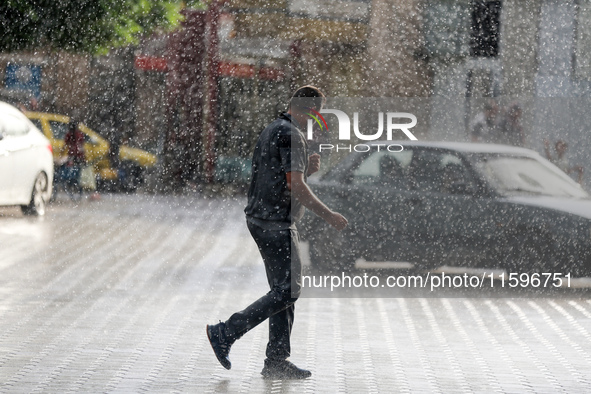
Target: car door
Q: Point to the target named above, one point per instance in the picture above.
(6, 172)
(18, 149)
(377, 206)
(450, 222)
(23, 152)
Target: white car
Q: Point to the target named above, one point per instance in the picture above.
(26, 163)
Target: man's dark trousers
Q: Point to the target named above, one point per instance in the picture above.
(280, 252)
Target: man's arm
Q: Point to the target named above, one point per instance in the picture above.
(301, 191)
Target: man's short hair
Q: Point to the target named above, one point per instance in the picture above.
(308, 97)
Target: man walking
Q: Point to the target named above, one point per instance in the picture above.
(76, 158)
(276, 199)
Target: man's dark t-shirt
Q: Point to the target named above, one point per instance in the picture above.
(281, 148)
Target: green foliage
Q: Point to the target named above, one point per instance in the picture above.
(84, 25)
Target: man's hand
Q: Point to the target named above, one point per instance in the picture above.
(313, 163)
(302, 192)
(338, 221)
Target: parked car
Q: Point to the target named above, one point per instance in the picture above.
(26, 164)
(458, 204)
(133, 161)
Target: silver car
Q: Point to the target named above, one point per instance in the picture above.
(26, 162)
(459, 204)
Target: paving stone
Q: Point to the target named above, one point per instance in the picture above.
(113, 296)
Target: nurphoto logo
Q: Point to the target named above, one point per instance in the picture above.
(393, 127)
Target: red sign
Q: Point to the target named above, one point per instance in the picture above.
(237, 70)
(150, 63)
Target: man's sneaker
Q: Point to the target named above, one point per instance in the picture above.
(219, 343)
(283, 370)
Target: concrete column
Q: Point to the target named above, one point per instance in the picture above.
(519, 32)
(556, 39)
(393, 66)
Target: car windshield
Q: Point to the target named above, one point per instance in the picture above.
(511, 175)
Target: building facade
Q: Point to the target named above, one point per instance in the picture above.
(457, 54)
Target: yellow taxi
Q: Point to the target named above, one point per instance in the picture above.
(55, 127)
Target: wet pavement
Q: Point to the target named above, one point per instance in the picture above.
(113, 296)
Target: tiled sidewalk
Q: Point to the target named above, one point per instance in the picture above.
(113, 296)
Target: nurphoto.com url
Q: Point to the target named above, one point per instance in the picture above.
(433, 282)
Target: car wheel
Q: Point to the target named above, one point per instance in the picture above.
(330, 251)
(38, 201)
(531, 252)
